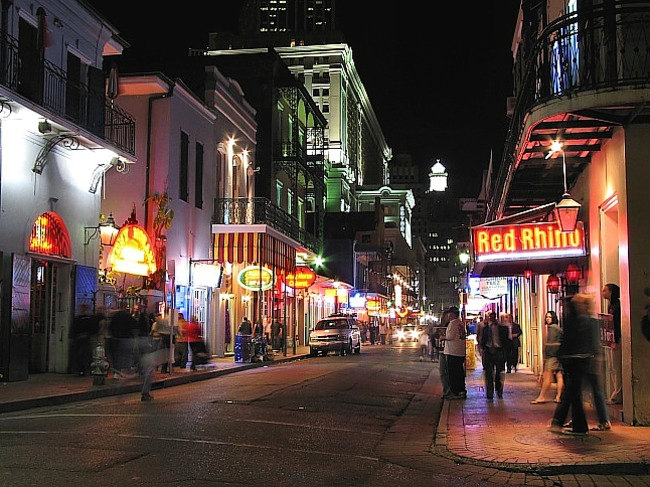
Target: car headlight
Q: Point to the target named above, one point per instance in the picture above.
(401, 334)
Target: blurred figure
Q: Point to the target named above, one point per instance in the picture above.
(382, 333)
(552, 366)
(576, 352)
(424, 342)
(181, 350)
(123, 329)
(442, 359)
(196, 343)
(83, 333)
(161, 332)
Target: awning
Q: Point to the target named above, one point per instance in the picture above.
(254, 248)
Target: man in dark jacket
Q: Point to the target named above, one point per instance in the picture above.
(493, 344)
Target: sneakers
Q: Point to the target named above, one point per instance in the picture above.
(146, 397)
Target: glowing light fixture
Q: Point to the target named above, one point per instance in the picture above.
(553, 284)
(567, 209)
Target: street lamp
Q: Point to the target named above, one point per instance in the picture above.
(464, 257)
(107, 230)
(566, 210)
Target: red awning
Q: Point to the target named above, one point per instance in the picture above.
(254, 248)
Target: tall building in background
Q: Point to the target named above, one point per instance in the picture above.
(304, 35)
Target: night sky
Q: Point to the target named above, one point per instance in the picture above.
(437, 81)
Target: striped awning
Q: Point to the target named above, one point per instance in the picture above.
(254, 248)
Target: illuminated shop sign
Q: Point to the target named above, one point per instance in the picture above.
(256, 278)
(208, 275)
(527, 241)
(357, 301)
(50, 236)
(132, 252)
(302, 278)
(372, 304)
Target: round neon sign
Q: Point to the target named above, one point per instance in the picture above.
(255, 278)
(302, 278)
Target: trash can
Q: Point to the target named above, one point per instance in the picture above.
(243, 348)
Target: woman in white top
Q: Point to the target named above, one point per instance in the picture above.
(455, 350)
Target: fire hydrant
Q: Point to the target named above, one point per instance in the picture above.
(99, 365)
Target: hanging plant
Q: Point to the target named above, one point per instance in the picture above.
(162, 221)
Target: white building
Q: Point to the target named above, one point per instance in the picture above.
(194, 152)
(59, 134)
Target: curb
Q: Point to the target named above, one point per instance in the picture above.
(66, 398)
(542, 469)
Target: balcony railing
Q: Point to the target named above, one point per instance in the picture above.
(607, 47)
(249, 211)
(48, 86)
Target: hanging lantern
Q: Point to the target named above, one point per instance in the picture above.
(572, 273)
(528, 273)
(566, 213)
(553, 284)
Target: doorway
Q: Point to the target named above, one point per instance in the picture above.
(43, 306)
(609, 273)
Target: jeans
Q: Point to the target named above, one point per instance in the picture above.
(575, 370)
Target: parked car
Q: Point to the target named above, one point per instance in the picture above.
(335, 333)
(406, 333)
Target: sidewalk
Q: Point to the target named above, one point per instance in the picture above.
(511, 434)
(50, 389)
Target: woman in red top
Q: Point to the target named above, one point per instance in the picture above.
(195, 342)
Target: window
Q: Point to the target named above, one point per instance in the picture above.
(290, 201)
(198, 177)
(278, 193)
(183, 191)
(326, 92)
(326, 107)
(301, 211)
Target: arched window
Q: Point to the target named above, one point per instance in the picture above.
(50, 236)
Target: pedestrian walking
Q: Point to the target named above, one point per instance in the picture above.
(382, 333)
(455, 350)
(492, 341)
(576, 353)
(161, 333)
(196, 343)
(514, 342)
(552, 366)
(181, 344)
(83, 331)
(425, 343)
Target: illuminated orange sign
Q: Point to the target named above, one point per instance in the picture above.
(132, 252)
(401, 312)
(372, 304)
(527, 241)
(50, 236)
(302, 278)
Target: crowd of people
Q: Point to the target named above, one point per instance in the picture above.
(137, 343)
(573, 359)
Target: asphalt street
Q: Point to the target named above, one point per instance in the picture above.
(322, 421)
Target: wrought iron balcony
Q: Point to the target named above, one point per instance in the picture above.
(48, 86)
(606, 47)
(249, 211)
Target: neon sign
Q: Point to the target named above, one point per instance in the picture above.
(357, 301)
(132, 252)
(527, 241)
(50, 236)
(256, 278)
(302, 278)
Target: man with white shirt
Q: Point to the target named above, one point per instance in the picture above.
(455, 350)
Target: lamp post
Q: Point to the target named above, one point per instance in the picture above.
(566, 210)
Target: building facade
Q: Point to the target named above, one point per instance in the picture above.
(60, 132)
(579, 126)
